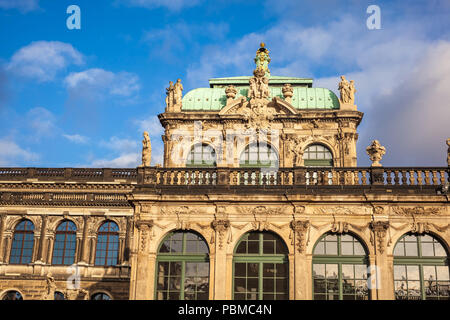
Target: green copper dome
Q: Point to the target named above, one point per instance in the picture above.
(214, 99)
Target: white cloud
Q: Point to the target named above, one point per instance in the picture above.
(152, 125)
(41, 122)
(11, 153)
(128, 160)
(120, 145)
(123, 84)
(42, 60)
(76, 138)
(21, 5)
(174, 5)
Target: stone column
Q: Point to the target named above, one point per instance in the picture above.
(383, 263)
(221, 229)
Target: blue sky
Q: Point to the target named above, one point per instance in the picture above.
(84, 97)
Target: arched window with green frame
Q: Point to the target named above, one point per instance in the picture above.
(339, 268)
(182, 271)
(421, 268)
(260, 267)
(201, 155)
(259, 154)
(317, 155)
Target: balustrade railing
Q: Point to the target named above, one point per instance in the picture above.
(309, 176)
(69, 174)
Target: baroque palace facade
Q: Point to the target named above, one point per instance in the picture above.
(259, 197)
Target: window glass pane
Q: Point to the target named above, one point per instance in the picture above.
(320, 248)
(442, 273)
(331, 248)
(439, 250)
(413, 272)
(399, 249)
(427, 249)
(347, 248)
(411, 249)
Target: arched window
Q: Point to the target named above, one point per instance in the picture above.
(259, 154)
(317, 155)
(201, 155)
(421, 269)
(260, 268)
(65, 243)
(23, 242)
(183, 267)
(340, 268)
(107, 244)
(12, 295)
(100, 296)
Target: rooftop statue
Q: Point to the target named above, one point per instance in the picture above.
(146, 151)
(174, 94)
(169, 98)
(347, 91)
(262, 59)
(177, 95)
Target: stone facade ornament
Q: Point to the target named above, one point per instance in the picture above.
(221, 227)
(347, 91)
(375, 151)
(379, 229)
(288, 92)
(51, 288)
(145, 228)
(294, 145)
(146, 151)
(230, 92)
(300, 228)
(339, 227)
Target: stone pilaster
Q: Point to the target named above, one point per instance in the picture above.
(221, 228)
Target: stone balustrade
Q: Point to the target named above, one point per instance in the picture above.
(395, 176)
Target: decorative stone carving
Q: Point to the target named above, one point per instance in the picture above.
(376, 151)
(146, 151)
(379, 229)
(262, 59)
(347, 91)
(417, 210)
(300, 228)
(170, 97)
(288, 92)
(294, 145)
(420, 227)
(230, 92)
(73, 294)
(145, 228)
(220, 227)
(339, 227)
(51, 288)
